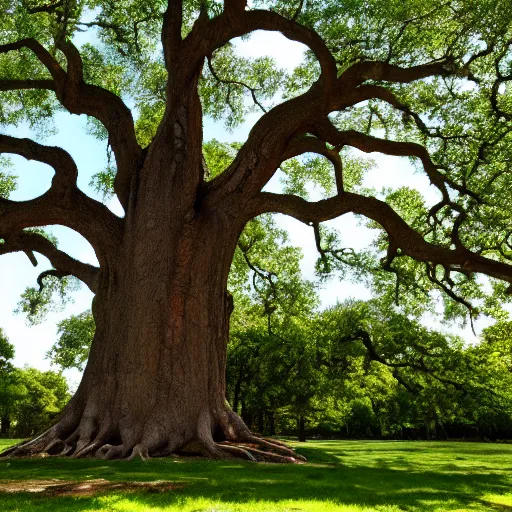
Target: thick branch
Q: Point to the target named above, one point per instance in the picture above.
(61, 161)
(19, 85)
(234, 7)
(266, 147)
(44, 56)
(81, 98)
(409, 241)
(66, 265)
(75, 210)
(236, 22)
(383, 71)
(171, 31)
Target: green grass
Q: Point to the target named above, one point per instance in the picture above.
(340, 476)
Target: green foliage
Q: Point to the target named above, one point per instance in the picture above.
(218, 156)
(36, 303)
(7, 180)
(29, 398)
(233, 86)
(40, 396)
(6, 350)
(103, 181)
(285, 357)
(403, 379)
(75, 338)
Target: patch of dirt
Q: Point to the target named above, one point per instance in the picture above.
(55, 488)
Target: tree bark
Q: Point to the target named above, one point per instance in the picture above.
(301, 428)
(154, 383)
(5, 425)
(271, 423)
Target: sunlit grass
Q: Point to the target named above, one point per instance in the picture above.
(348, 476)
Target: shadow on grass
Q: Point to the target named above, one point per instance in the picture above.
(329, 477)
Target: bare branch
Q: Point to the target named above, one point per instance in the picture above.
(382, 71)
(64, 264)
(70, 207)
(235, 82)
(234, 7)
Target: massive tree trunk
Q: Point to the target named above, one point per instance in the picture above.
(154, 383)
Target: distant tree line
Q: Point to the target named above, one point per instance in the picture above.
(391, 378)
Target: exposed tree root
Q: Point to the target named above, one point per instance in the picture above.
(86, 441)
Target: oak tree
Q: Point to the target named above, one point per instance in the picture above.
(426, 80)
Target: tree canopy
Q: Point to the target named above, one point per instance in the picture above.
(427, 81)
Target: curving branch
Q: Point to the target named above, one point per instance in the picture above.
(62, 204)
(266, 146)
(382, 71)
(66, 172)
(410, 242)
(29, 242)
(234, 7)
(77, 211)
(236, 22)
(44, 56)
(370, 144)
(81, 98)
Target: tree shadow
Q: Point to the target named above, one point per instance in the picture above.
(385, 482)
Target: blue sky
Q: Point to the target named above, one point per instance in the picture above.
(16, 272)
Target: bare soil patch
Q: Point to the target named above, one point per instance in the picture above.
(85, 488)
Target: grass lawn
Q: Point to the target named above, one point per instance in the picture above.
(351, 476)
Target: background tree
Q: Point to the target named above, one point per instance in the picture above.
(428, 81)
(41, 397)
(29, 399)
(8, 391)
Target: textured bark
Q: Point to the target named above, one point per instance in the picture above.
(154, 383)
